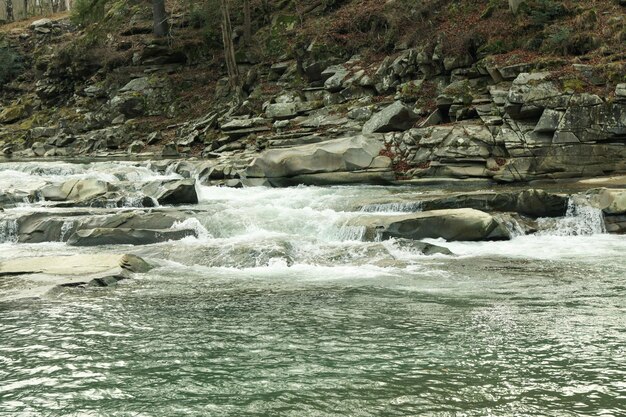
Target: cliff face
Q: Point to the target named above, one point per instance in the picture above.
(465, 92)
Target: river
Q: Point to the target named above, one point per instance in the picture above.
(279, 309)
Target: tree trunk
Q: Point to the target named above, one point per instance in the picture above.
(229, 48)
(159, 14)
(247, 23)
(9, 10)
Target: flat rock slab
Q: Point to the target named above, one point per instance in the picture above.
(33, 277)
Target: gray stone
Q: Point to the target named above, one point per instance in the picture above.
(76, 190)
(336, 76)
(36, 276)
(173, 192)
(456, 224)
(339, 155)
(41, 23)
(170, 150)
(395, 117)
(281, 111)
(549, 121)
(611, 201)
(121, 236)
(136, 147)
(139, 85)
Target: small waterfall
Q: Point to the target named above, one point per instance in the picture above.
(193, 224)
(581, 219)
(8, 231)
(513, 226)
(356, 233)
(402, 207)
(133, 201)
(66, 229)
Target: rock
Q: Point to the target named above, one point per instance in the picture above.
(173, 192)
(533, 203)
(395, 117)
(456, 224)
(549, 121)
(94, 91)
(139, 85)
(336, 75)
(122, 236)
(43, 132)
(617, 223)
(422, 247)
(41, 23)
(48, 226)
(154, 138)
(339, 155)
(76, 190)
(360, 113)
(611, 201)
(281, 111)
(170, 150)
(36, 276)
(238, 124)
(129, 104)
(136, 147)
(620, 92)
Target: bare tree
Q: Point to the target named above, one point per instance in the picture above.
(159, 15)
(247, 23)
(9, 10)
(229, 48)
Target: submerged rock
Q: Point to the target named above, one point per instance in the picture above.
(422, 247)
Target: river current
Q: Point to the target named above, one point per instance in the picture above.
(279, 309)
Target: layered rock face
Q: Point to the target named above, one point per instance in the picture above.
(421, 113)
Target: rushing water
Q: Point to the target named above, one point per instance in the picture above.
(278, 309)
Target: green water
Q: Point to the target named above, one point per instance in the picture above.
(418, 344)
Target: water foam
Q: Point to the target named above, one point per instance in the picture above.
(581, 219)
(8, 231)
(194, 224)
(398, 207)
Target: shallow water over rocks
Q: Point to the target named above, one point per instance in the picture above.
(277, 307)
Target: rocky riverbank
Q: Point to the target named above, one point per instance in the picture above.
(419, 114)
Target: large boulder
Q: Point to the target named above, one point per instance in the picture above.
(533, 203)
(349, 154)
(173, 192)
(456, 224)
(76, 190)
(59, 227)
(395, 117)
(611, 201)
(123, 236)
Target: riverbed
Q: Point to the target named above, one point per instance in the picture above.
(277, 307)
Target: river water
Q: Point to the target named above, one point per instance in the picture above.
(279, 309)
